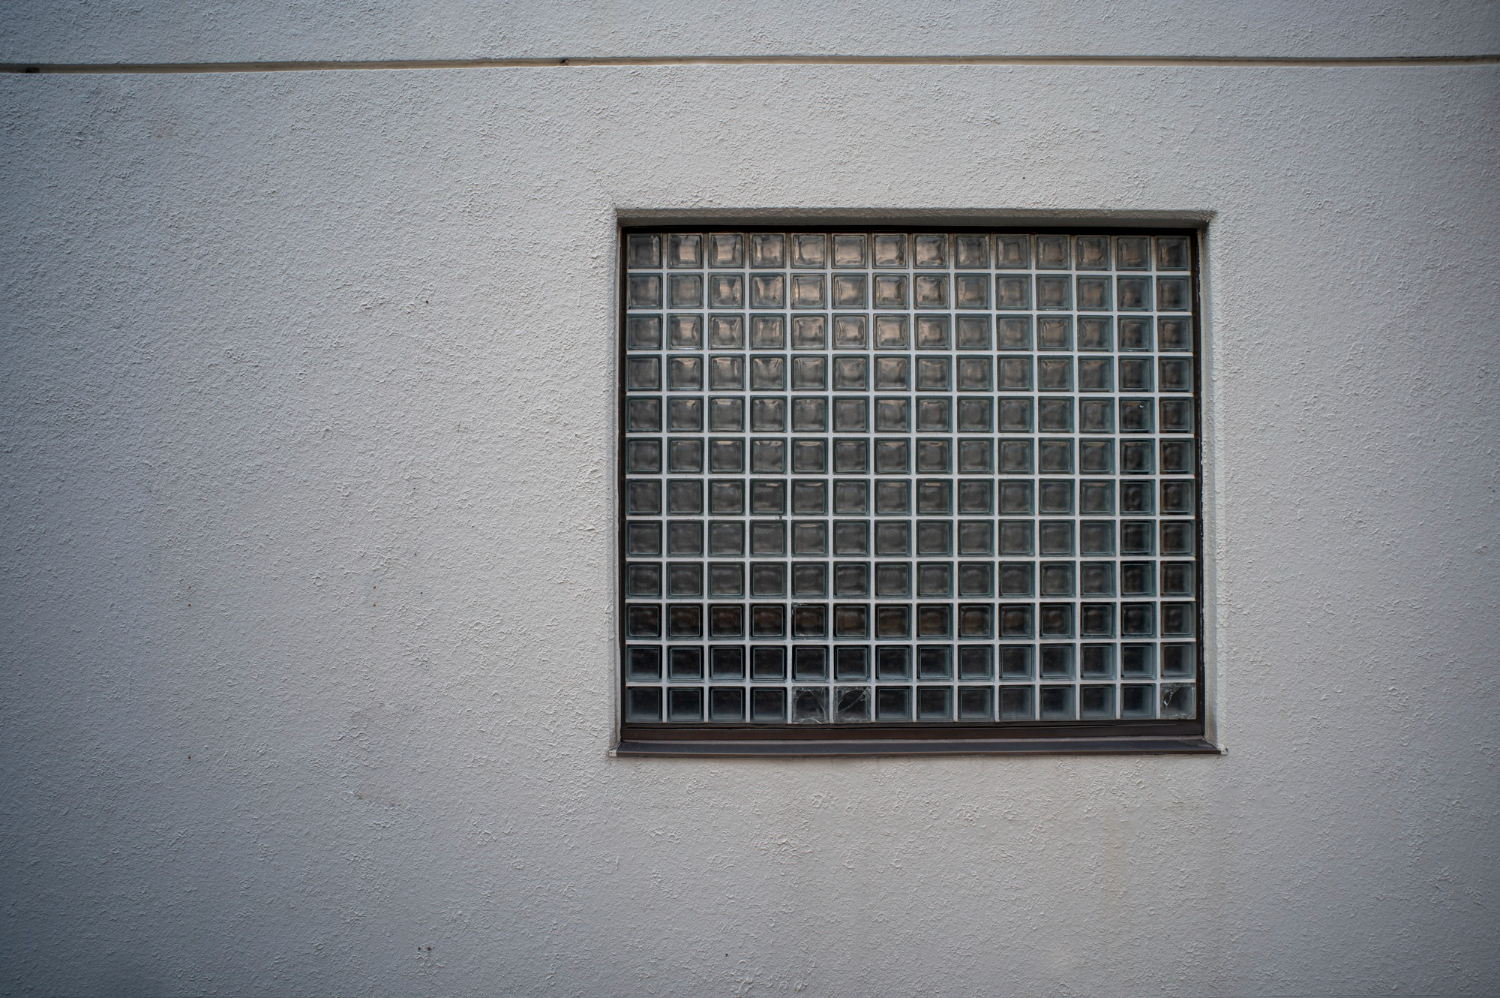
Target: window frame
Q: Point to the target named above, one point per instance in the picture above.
(915, 736)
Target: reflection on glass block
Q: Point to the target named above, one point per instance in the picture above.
(643, 457)
(1178, 702)
(1176, 415)
(1012, 251)
(1138, 661)
(975, 662)
(892, 457)
(1015, 661)
(1015, 459)
(1176, 457)
(848, 250)
(767, 496)
(849, 291)
(1057, 703)
(853, 703)
(643, 415)
(933, 456)
(643, 704)
(851, 537)
(684, 496)
(809, 249)
(1133, 253)
(1052, 252)
(850, 374)
(1095, 374)
(1136, 497)
(975, 578)
(809, 620)
(1093, 252)
(728, 291)
(1133, 294)
(934, 415)
(768, 456)
(810, 662)
(1137, 457)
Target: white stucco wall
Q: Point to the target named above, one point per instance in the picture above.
(306, 513)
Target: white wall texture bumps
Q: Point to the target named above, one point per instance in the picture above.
(307, 524)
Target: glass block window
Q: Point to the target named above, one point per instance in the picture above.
(910, 480)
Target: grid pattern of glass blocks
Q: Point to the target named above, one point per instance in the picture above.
(883, 477)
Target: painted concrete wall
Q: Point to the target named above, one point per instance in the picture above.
(306, 511)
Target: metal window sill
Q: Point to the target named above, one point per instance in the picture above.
(1123, 745)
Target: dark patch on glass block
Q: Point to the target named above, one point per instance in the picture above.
(1015, 661)
(726, 704)
(976, 662)
(1096, 702)
(685, 663)
(726, 621)
(1097, 457)
(892, 621)
(1056, 537)
(850, 416)
(1057, 661)
(643, 457)
(933, 457)
(1013, 373)
(643, 705)
(851, 662)
(1055, 457)
(851, 578)
(685, 621)
(851, 497)
(934, 579)
(767, 579)
(1015, 704)
(892, 579)
(975, 578)
(1138, 620)
(810, 537)
(1176, 334)
(1137, 702)
(1133, 294)
(1138, 661)
(851, 537)
(1056, 620)
(644, 663)
(810, 662)
(892, 415)
(768, 705)
(1097, 661)
(643, 374)
(809, 579)
(1054, 374)
(726, 662)
(851, 621)
(768, 665)
(1015, 457)
(1177, 578)
(932, 332)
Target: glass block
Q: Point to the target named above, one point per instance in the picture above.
(892, 703)
(851, 497)
(1057, 578)
(849, 291)
(1176, 374)
(892, 497)
(809, 497)
(809, 415)
(1094, 294)
(727, 291)
(1016, 620)
(809, 250)
(1054, 292)
(893, 537)
(767, 250)
(1179, 660)
(684, 621)
(1096, 703)
(851, 578)
(1015, 459)
(767, 374)
(889, 250)
(684, 374)
(643, 291)
(685, 537)
(1092, 252)
(1137, 497)
(1176, 415)
(1177, 537)
(934, 662)
(1055, 496)
(1016, 537)
(1095, 374)
(1095, 333)
(684, 704)
(851, 662)
(893, 579)
(1056, 620)
(892, 622)
(726, 249)
(1096, 457)
(1177, 702)
(684, 579)
(934, 703)
(1056, 661)
(768, 456)
(892, 457)
(976, 662)
(726, 704)
(974, 375)
(1137, 702)
(1176, 497)
(971, 291)
(1096, 661)
(934, 537)
(1096, 620)
(1016, 703)
(1096, 497)
(642, 251)
(1017, 578)
(849, 332)
(971, 252)
(684, 496)
(643, 704)
(933, 456)
(976, 537)
(851, 457)
(1052, 252)
(768, 620)
(643, 415)
(1173, 294)
(1138, 661)
(643, 332)
(810, 662)
(849, 250)
(1096, 578)
(1138, 620)
(851, 537)
(1016, 662)
(934, 579)
(1054, 374)
(726, 579)
(1133, 253)
(809, 374)
(976, 497)
(686, 663)
(767, 291)
(767, 705)
(643, 579)
(851, 621)
(1176, 333)
(810, 537)
(976, 415)
(889, 292)
(1055, 457)
(809, 620)
(685, 291)
(930, 251)
(851, 374)
(932, 332)
(726, 497)
(643, 374)
(975, 578)
(1138, 578)
(1178, 620)
(975, 703)
(644, 538)
(853, 703)
(643, 663)
(1012, 251)
(685, 332)
(1057, 703)
(809, 579)
(767, 497)
(685, 414)
(1012, 291)
(934, 374)
(1133, 294)
(1096, 538)
(892, 373)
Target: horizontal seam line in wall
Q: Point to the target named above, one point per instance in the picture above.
(754, 60)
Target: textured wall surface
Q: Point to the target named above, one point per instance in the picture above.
(307, 526)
